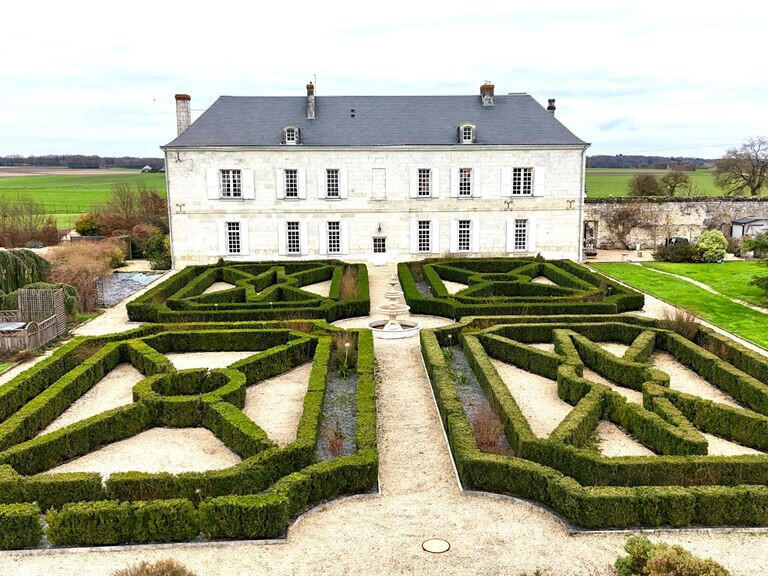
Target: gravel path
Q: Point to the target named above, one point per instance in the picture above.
(453, 287)
(276, 404)
(543, 280)
(628, 393)
(686, 380)
(112, 391)
(614, 441)
(319, 288)
(615, 348)
(212, 360)
(218, 287)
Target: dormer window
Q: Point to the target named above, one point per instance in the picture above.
(466, 134)
(290, 135)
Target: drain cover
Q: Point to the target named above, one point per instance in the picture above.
(436, 545)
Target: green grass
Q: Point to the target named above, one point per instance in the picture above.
(67, 196)
(4, 366)
(719, 310)
(606, 182)
(81, 318)
(729, 278)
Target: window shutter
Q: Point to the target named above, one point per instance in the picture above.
(221, 227)
(343, 193)
(212, 183)
(303, 240)
(280, 183)
(435, 174)
(282, 238)
(506, 181)
(246, 180)
(244, 238)
(322, 236)
(539, 178)
(414, 187)
(475, 247)
(454, 236)
(459, 134)
(531, 235)
(298, 135)
(454, 182)
(434, 233)
(322, 190)
(510, 234)
(344, 233)
(477, 182)
(414, 235)
(301, 173)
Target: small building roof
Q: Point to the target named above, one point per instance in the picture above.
(748, 219)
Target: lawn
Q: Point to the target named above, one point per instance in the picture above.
(605, 182)
(729, 278)
(719, 310)
(4, 366)
(66, 196)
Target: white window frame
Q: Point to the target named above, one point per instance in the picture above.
(464, 236)
(234, 237)
(382, 241)
(521, 235)
(332, 183)
(424, 236)
(424, 182)
(293, 237)
(467, 134)
(522, 181)
(294, 132)
(466, 186)
(333, 236)
(230, 183)
(291, 194)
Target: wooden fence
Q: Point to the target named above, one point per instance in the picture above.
(45, 316)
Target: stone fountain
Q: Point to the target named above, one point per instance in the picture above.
(392, 328)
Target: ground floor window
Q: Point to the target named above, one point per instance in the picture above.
(521, 234)
(425, 243)
(334, 238)
(465, 230)
(379, 245)
(293, 238)
(233, 237)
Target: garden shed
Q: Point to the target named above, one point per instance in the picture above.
(748, 226)
(41, 316)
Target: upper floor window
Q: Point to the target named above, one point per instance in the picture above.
(521, 234)
(425, 182)
(332, 183)
(465, 181)
(291, 135)
(522, 181)
(425, 236)
(230, 184)
(291, 183)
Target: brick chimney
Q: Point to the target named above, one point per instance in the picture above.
(183, 116)
(551, 106)
(486, 93)
(310, 101)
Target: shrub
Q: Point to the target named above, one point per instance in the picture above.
(334, 438)
(648, 559)
(645, 185)
(158, 252)
(20, 267)
(166, 567)
(88, 224)
(19, 526)
(683, 252)
(682, 322)
(712, 244)
(26, 223)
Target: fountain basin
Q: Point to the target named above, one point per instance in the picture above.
(384, 329)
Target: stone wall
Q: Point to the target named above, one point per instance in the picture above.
(665, 217)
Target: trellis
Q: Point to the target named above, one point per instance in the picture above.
(44, 315)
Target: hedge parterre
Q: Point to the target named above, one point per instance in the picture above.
(504, 286)
(254, 499)
(679, 485)
(261, 291)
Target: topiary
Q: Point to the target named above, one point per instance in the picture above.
(712, 245)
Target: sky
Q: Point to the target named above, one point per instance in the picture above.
(658, 78)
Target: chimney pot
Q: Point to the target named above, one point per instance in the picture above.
(551, 106)
(486, 93)
(183, 115)
(310, 101)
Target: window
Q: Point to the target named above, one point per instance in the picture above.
(467, 135)
(293, 238)
(379, 245)
(465, 229)
(522, 181)
(291, 183)
(521, 234)
(425, 181)
(332, 183)
(425, 243)
(229, 184)
(334, 238)
(233, 237)
(465, 182)
(291, 135)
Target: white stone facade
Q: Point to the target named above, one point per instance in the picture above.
(376, 189)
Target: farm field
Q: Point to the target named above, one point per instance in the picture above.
(613, 182)
(729, 278)
(719, 310)
(67, 195)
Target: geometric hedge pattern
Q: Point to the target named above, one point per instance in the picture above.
(679, 485)
(504, 286)
(261, 291)
(256, 498)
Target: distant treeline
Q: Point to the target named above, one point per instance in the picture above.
(624, 161)
(80, 161)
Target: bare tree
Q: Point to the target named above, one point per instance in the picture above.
(624, 219)
(744, 170)
(674, 181)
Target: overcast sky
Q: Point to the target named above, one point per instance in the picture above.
(668, 78)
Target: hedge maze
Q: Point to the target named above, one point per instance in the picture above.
(261, 291)
(500, 286)
(679, 485)
(254, 499)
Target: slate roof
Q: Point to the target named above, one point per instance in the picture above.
(747, 220)
(516, 119)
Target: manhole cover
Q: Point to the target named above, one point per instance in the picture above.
(436, 545)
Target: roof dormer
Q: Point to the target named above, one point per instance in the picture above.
(467, 133)
(291, 135)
